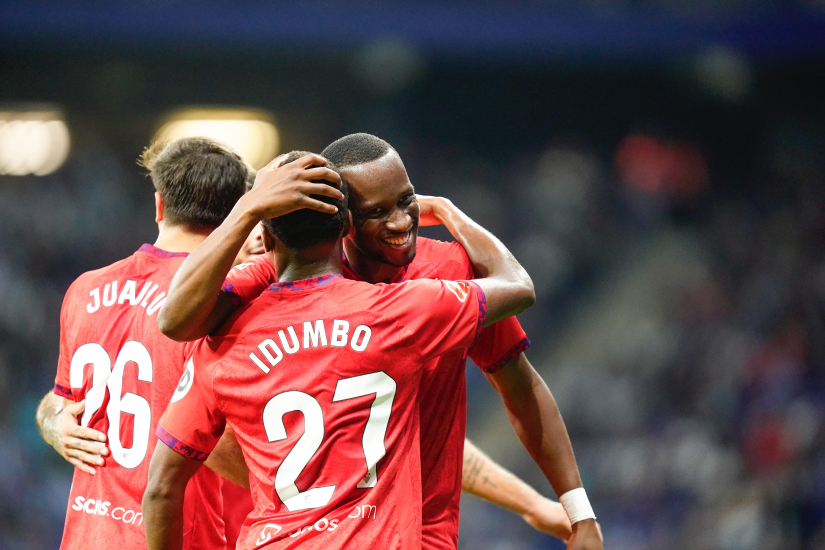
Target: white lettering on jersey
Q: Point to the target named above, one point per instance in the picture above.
(127, 296)
(314, 336)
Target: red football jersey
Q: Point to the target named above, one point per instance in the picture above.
(443, 403)
(113, 355)
(348, 356)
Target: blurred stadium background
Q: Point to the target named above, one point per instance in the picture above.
(658, 167)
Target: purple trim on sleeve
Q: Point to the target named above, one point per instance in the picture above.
(229, 288)
(482, 310)
(179, 446)
(504, 359)
(63, 391)
(305, 284)
(155, 251)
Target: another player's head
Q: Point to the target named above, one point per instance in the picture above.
(382, 199)
(302, 229)
(197, 182)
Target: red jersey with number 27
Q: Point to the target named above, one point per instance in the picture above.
(442, 397)
(319, 380)
(113, 356)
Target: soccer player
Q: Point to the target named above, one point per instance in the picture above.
(348, 356)
(383, 247)
(117, 369)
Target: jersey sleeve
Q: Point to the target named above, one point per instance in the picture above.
(193, 422)
(498, 344)
(246, 281)
(440, 315)
(62, 381)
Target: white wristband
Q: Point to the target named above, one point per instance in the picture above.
(577, 505)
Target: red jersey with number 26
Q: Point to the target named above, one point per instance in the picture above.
(442, 397)
(113, 356)
(319, 380)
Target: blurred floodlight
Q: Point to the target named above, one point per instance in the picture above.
(32, 142)
(251, 133)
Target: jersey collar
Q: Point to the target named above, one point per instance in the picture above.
(160, 253)
(305, 284)
(351, 274)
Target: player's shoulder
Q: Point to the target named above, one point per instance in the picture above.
(91, 278)
(439, 259)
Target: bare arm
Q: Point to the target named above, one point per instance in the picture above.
(539, 425)
(227, 460)
(169, 472)
(57, 420)
(195, 305)
(507, 285)
(485, 479)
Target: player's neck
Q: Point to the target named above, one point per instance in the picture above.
(369, 269)
(176, 238)
(314, 261)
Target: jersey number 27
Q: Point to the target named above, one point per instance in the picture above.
(378, 383)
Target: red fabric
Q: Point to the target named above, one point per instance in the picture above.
(303, 374)
(237, 504)
(109, 341)
(443, 407)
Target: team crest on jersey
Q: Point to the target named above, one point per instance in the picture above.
(185, 382)
(461, 289)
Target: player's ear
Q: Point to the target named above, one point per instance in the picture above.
(268, 240)
(159, 208)
(349, 226)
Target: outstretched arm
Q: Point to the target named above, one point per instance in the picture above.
(227, 460)
(507, 286)
(195, 305)
(485, 479)
(539, 425)
(162, 508)
(57, 420)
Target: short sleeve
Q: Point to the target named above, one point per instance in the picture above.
(192, 423)
(440, 315)
(62, 381)
(498, 344)
(246, 281)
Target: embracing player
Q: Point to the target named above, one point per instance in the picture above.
(383, 247)
(348, 356)
(119, 372)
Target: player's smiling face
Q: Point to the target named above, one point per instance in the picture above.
(384, 210)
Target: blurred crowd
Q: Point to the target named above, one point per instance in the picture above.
(679, 325)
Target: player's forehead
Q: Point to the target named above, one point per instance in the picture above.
(377, 182)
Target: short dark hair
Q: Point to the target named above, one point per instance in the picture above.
(356, 149)
(198, 179)
(304, 228)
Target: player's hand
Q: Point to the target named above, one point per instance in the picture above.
(82, 447)
(549, 517)
(587, 535)
(431, 209)
(279, 190)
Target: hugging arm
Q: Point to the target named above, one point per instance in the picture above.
(507, 286)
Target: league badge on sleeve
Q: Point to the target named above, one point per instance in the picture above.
(185, 382)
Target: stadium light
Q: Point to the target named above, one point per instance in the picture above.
(32, 142)
(251, 133)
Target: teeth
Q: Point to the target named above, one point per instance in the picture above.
(398, 240)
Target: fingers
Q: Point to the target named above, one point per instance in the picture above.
(87, 433)
(76, 409)
(86, 458)
(311, 160)
(86, 446)
(314, 204)
(322, 173)
(323, 190)
(81, 466)
(276, 162)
